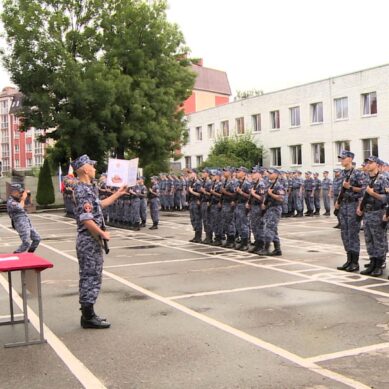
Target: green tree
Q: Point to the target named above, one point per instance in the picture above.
(235, 151)
(101, 77)
(45, 192)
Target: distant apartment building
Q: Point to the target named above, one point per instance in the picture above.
(304, 127)
(211, 89)
(19, 150)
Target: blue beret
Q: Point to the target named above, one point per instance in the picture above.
(81, 161)
(346, 154)
(308, 172)
(326, 171)
(273, 170)
(242, 169)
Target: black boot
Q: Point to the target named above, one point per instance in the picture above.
(217, 241)
(277, 250)
(377, 272)
(265, 250)
(90, 320)
(254, 247)
(244, 245)
(136, 226)
(370, 267)
(337, 226)
(347, 263)
(208, 239)
(230, 243)
(154, 226)
(197, 237)
(354, 265)
(143, 223)
(261, 245)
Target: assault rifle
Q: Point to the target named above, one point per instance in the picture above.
(267, 200)
(366, 197)
(343, 191)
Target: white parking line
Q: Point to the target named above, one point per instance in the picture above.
(154, 262)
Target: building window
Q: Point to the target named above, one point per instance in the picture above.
(369, 102)
(318, 153)
(275, 119)
(38, 147)
(5, 150)
(4, 136)
(370, 147)
(256, 122)
(225, 128)
(17, 163)
(16, 134)
(341, 108)
(199, 160)
(199, 133)
(4, 107)
(16, 148)
(342, 145)
(38, 160)
(276, 156)
(29, 162)
(4, 121)
(317, 113)
(188, 162)
(28, 147)
(296, 155)
(294, 116)
(211, 131)
(239, 122)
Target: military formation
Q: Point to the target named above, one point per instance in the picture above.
(227, 207)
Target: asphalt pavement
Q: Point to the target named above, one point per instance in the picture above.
(189, 315)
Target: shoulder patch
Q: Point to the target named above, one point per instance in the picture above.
(88, 208)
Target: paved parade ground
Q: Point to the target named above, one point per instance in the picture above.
(188, 315)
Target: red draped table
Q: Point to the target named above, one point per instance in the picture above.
(23, 262)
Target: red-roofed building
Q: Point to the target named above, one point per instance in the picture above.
(210, 90)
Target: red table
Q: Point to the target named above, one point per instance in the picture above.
(23, 262)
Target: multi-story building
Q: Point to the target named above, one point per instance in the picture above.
(211, 89)
(19, 150)
(303, 127)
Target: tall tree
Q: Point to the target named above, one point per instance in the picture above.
(45, 192)
(102, 77)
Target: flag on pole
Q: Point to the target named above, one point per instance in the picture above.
(70, 171)
(60, 178)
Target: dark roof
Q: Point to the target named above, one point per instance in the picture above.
(16, 105)
(211, 80)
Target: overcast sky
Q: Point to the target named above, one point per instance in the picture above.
(274, 44)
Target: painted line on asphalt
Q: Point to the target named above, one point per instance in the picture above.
(154, 262)
(216, 292)
(348, 353)
(303, 362)
(77, 368)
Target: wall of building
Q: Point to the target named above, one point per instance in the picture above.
(354, 128)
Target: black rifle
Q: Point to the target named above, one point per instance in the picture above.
(384, 224)
(267, 199)
(342, 192)
(222, 195)
(366, 197)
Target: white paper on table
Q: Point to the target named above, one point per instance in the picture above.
(122, 172)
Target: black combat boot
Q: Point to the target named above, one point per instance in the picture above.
(277, 250)
(208, 238)
(254, 247)
(154, 226)
(377, 271)
(347, 263)
(90, 320)
(261, 245)
(197, 237)
(244, 245)
(354, 265)
(217, 241)
(143, 223)
(265, 250)
(230, 243)
(370, 267)
(317, 212)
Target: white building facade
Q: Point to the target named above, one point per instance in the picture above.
(304, 127)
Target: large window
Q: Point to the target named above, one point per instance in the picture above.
(4, 121)
(211, 131)
(5, 150)
(4, 107)
(342, 145)
(276, 156)
(239, 123)
(275, 119)
(16, 148)
(296, 155)
(225, 127)
(256, 122)
(317, 113)
(294, 116)
(318, 153)
(369, 103)
(188, 162)
(370, 147)
(38, 160)
(199, 160)
(28, 147)
(199, 133)
(341, 108)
